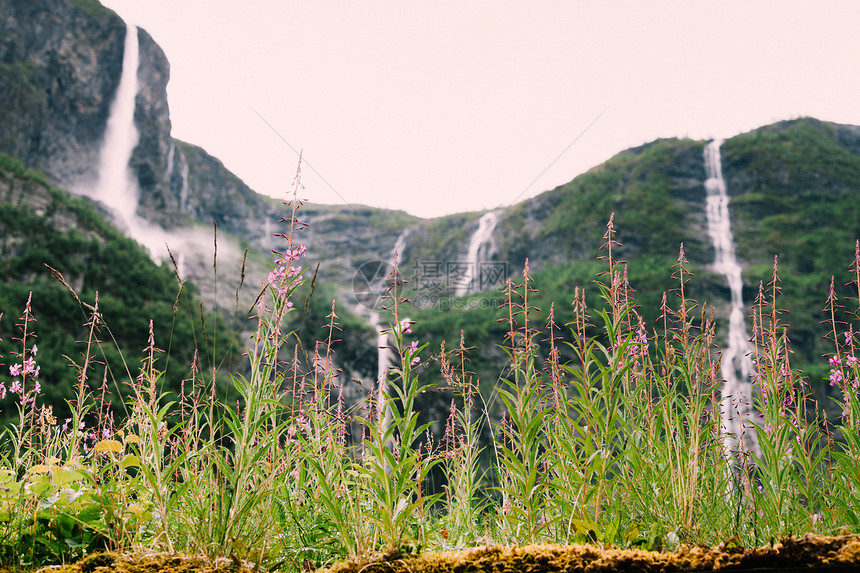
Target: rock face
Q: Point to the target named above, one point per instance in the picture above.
(59, 68)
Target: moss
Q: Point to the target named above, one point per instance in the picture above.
(144, 563)
(809, 553)
(90, 7)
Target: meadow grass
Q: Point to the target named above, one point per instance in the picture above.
(622, 446)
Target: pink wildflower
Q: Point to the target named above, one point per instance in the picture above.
(15, 370)
(304, 424)
(411, 351)
(834, 361)
(30, 367)
(851, 360)
(277, 275)
(835, 377)
(639, 347)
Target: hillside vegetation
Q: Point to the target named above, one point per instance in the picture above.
(42, 226)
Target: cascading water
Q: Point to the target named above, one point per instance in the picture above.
(481, 246)
(385, 354)
(116, 187)
(736, 366)
(183, 191)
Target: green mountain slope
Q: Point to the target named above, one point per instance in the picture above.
(793, 188)
(41, 225)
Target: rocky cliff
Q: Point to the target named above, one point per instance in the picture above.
(59, 68)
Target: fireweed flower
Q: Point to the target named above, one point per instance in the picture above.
(835, 377)
(30, 367)
(292, 255)
(851, 360)
(834, 361)
(639, 347)
(15, 370)
(279, 277)
(411, 351)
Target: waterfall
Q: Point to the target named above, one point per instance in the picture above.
(183, 191)
(384, 353)
(481, 246)
(116, 187)
(736, 366)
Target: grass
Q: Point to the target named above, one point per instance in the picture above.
(620, 445)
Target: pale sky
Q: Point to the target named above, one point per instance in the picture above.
(447, 106)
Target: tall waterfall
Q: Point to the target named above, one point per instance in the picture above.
(481, 246)
(116, 187)
(385, 353)
(736, 366)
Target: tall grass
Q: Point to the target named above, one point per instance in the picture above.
(620, 446)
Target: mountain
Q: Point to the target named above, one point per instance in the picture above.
(45, 233)
(792, 187)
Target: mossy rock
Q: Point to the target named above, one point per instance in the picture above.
(142, 563)
(810, 553)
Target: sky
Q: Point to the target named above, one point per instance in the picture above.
(449, 106)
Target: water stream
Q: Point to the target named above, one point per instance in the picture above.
(116, 187)
(481, 247)
(736, 366)
(385, 352)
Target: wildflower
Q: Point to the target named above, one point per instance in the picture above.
(34, 350)
(834, 361)
(851, 360)
(15, 370)
(30, 367)
(294, 254)
(277, 275)
(835, 377)
(16, 387)
(304, 424)
(639, 347)
(411, 351)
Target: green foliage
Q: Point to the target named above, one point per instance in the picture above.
(95, 260)
(90, 7)
(794, 196)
